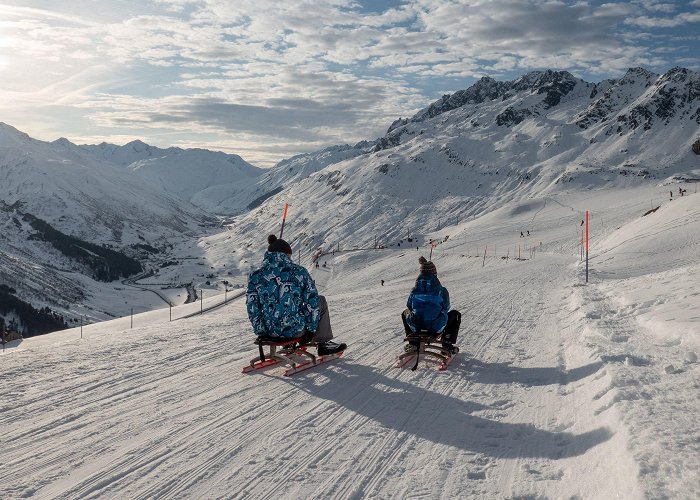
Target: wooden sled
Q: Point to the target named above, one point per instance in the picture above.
(428, 344)
(287, 352)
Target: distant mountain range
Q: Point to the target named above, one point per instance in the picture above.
(494, 143)
(463, 155)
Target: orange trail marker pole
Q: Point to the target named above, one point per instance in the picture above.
(586, 246)
(284, 218)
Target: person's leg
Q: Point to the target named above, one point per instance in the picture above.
(454, 319)
(324, 332)
(404, 315)
(411, 346)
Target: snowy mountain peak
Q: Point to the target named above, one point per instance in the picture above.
(63, 142)
(486, 89)
(138, 145)
(537, 79)
(9, 135)
(638, 72)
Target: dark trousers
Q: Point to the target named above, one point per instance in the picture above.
(449, 334)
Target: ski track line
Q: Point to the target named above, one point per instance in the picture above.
(154, 371)
(194, 434)
(350, 422)
(223, 424)
(378, 467)
(122, 390)
(487, 350)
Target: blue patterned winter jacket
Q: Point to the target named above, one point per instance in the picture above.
(429, 303)
(282, 299)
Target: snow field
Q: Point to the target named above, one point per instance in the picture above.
(557, 392)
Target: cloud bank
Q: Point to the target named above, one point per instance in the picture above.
(269, 79)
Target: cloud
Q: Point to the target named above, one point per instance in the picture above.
(262, 73)
(665, 22)
(658, 5)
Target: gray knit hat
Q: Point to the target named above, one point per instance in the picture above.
(277, 245)
(427, 267)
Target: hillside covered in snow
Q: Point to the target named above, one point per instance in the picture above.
(494, 143)
(561, 389)
(196, 219)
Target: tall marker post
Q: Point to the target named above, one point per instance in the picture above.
(586, 246)
(284, 218)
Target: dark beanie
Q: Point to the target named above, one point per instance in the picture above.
(427, 267)
(277, 245)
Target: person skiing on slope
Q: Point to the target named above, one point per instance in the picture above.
(427, 308)
(282, 301)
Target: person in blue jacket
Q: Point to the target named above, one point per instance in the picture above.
(428, 308)
(282, 301)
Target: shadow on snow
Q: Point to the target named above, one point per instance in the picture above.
(405, 408)
(505, 373)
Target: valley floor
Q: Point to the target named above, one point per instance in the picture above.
(545, 399)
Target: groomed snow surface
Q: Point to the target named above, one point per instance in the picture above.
(561, 389)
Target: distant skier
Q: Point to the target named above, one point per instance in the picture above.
(427, 308)
(521, 234)
(582, 222)
(528, 233)
(382, 282)
(282, 301)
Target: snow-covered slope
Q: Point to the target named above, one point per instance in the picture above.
(496, 142)
(464, 156)
(561, 389)
(200, 176)
(284, 174)
(93, 200)
(81, 196)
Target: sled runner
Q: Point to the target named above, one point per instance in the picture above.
(286, 352)
(428, 344)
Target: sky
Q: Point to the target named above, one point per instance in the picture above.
(268, 79)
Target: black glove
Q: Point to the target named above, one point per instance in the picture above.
(307, 337)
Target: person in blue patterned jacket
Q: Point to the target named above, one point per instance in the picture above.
(428, 308)
(282, 301)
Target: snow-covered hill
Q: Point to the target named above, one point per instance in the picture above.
(286, 173)
(86, 197)
(200, 176)
(69, 188)
(463, 157)
(471, 152)
(561, 389)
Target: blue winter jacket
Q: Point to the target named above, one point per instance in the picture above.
(282, 299)
(429, 303)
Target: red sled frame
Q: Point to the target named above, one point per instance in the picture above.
(288, 350)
